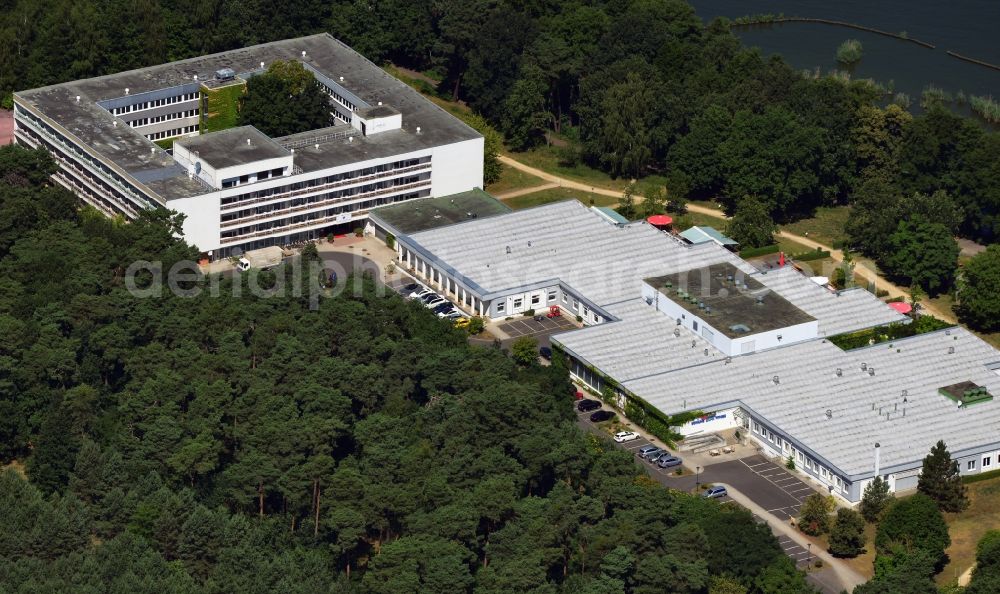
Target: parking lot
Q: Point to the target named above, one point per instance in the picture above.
(539, 329)
(667, 476)
(769, 485)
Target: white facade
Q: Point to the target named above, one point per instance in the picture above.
(742, 345)
(389, 144)
(444, 170)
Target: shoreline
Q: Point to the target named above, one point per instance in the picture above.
(774, 20)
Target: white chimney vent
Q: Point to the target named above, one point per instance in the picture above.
(303, 53)
(196, 77)
(316, 146)
(418, 129)
(380, 104)
(126, 90)
(152, 150)
(350, 139)
(77, 98)
(248, 142)
(341, 79)
(261, 64)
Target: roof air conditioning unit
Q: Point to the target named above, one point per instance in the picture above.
(775, 380)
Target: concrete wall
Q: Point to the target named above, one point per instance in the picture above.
(457, 167)
(201, 226)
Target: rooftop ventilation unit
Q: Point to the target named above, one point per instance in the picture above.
(839, 372)
(775, 380)
(864, 366)
(225, 74)
(677, 331)
(829, 413)
(871, 371)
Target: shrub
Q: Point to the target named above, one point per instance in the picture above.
(814, 516)
(790, 462)
(524, 350)
(476, 325)
(390, 241)
(849, 52)
(359, 231)
(579, 318)
(847, 538)
(913, 525)
(528, 313)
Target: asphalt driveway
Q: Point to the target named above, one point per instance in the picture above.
(767, 484)
(537, 329)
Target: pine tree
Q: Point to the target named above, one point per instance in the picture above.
(875, 499)
(940, 480)
(847, 538)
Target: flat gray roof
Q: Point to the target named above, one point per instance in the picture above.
(864, 408)
(413, 216)
(568, 242)
(732, 302)
(92, 126)
(227, 148)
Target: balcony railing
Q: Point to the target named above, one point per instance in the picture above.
(337, 184)
(313, 223)
(323, 204)
(272, 230)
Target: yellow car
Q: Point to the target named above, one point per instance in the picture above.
(462, 323)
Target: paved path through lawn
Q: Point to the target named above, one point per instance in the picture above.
(523, 191)
(837, 255)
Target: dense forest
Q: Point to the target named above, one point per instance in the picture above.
(639, 88)
(248, 444)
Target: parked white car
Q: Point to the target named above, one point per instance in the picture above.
(438, 300)
(623, 436)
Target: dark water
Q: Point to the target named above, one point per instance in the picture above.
(969, 27)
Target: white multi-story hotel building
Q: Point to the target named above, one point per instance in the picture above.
(237, 187)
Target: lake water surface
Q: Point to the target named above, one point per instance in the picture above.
(969, 27)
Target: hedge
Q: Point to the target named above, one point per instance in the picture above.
(816, 254)
(982, 476)
(761, 251)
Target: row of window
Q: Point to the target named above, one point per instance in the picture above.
(252, 177)
(154, 103)
(124, 187)
(318, 199)
(986, 462)
(338, 97)
(171, 133)
(319, 216)
(322, 181)
(811, 465)
(189, 113)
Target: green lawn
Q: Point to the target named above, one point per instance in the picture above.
(826, 227)
(557, 194)
(947, 304)
(513, 179)
(549, 159)
(968, 527)
(222, 108)
(692, 219)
